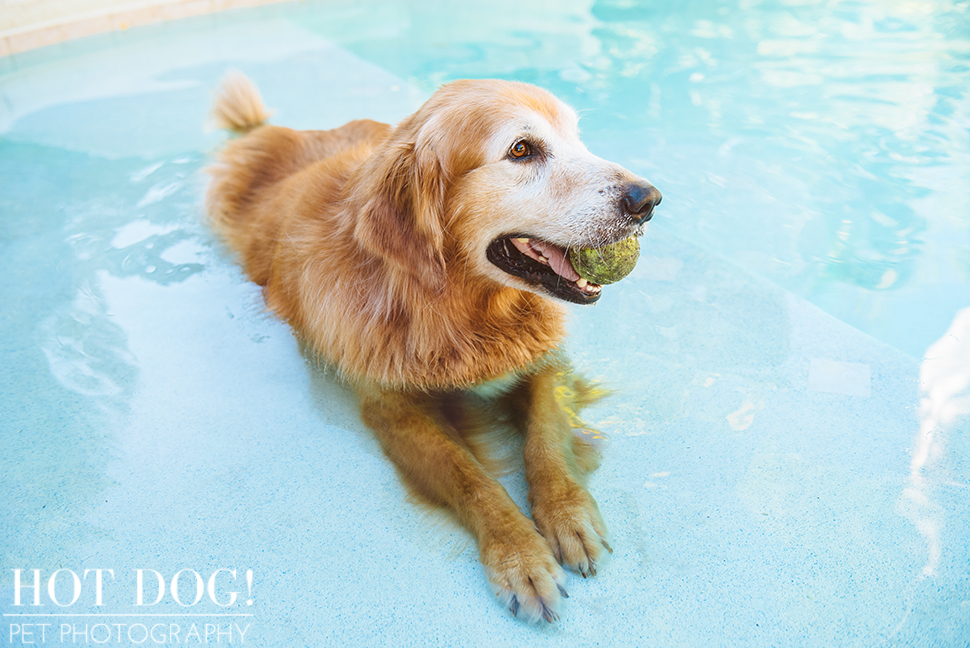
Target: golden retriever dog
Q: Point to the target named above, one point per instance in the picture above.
(427, 263)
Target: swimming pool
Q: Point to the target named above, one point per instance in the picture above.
(784, 466)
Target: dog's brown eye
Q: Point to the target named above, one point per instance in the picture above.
(520, 150)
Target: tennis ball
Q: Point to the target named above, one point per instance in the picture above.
(607, 264)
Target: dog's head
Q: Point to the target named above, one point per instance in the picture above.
(492, 175)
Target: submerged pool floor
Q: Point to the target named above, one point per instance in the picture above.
(773, 475)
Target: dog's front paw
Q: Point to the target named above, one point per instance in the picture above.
(571, 523)
(523, 573)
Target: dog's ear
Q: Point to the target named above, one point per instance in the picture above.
(402, 220)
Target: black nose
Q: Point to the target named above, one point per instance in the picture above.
(639, 200)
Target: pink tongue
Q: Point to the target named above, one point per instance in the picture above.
(555, 255)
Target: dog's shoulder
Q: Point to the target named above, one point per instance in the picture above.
(360, 133)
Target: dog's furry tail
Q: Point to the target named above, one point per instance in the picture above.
(238, 106)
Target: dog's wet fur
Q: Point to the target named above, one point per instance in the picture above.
(427, 263)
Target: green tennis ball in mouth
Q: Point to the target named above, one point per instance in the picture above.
(607, 264)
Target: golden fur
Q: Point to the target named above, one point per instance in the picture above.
(371, 242)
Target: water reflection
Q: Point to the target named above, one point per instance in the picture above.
(86, 351)
(944, 399)
(69, 221)
(108, 235)
(821, 145)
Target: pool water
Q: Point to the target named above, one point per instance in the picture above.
(787, 454)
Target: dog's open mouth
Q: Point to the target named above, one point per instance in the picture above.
(543, 264)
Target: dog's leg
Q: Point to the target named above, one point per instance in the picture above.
(517, 560)
(564, 512)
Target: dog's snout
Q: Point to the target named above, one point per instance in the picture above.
(639, 199)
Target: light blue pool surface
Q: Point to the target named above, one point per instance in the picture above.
(788, 454)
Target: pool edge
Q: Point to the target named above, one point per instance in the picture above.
(118, 18)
